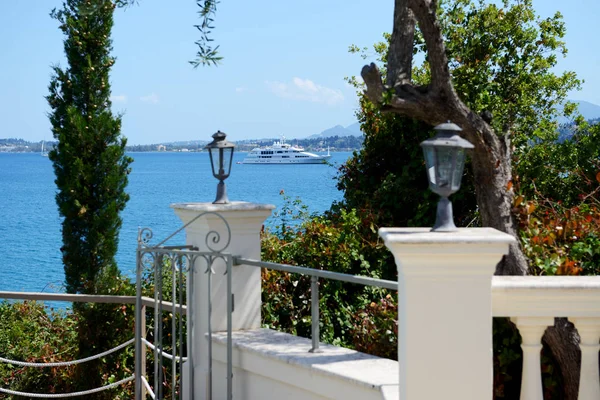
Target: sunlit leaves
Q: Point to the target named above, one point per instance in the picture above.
(502, 59)
(207, 54)
(561, 240)
(336, 242)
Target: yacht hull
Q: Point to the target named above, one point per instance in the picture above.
(320, 160)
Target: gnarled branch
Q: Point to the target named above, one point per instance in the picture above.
(425, 12)
(372, 77)
(400, 54)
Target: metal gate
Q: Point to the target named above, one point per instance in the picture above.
(171, 330)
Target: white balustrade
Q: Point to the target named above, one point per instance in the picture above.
(532, 303)
(444, 306)
(589, 332)
(532, 329)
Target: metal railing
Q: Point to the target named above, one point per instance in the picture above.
(315, 274)
(144, 302)
(171, 271)
(76, 298)
(176, 267)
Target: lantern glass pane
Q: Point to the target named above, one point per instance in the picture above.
(227, 156)
(444, 161)
(212, 156)
(216, 161)
(429, 153)
(458, 169)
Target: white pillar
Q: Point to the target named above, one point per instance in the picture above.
(532, 329)
(445, 310)
(589, 332)
(245, 222)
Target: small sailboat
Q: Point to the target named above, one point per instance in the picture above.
(43, 153)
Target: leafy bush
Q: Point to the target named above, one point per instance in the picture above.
(375, 329)
(561, 240)
(330, 243)
(31, 332)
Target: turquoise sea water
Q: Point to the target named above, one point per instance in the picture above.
(30, 236)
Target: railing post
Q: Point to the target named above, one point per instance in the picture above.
(315, 314)
(445, 310)
(138, 327)
(143, 350)
(589, 332)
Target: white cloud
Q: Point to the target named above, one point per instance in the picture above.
(241, 89)
(306, 90)
(121, 98)
(152, 98)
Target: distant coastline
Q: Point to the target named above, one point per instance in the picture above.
(319, 144)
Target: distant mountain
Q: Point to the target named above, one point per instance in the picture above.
(355, 127)
(587, 109)
(340, 131)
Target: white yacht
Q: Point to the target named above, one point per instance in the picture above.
(284, 153)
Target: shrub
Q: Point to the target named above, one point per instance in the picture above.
(330, 243)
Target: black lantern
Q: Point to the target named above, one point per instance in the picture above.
(445, 161)
(221, 156)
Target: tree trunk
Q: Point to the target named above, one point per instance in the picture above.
(563, 341)
(493, 175)
(438, 102)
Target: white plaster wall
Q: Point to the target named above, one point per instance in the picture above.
(274, 365)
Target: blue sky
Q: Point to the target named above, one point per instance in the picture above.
(282, 74)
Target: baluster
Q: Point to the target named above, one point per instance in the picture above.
(532, 329)
(589, 332)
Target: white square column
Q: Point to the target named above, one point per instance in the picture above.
(445, 310)
(237, 233)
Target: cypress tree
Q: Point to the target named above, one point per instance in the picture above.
(91, 171)
(90, 164)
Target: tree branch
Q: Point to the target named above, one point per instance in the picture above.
(372, 77)
(400, 53)
(425, 12)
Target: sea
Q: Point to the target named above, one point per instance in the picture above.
(30, 227)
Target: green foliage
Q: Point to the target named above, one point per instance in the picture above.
(89, 162)
(557, 203)
(206, 55)
(376, 328)
(502, 58)
(332, 243)
(91, 175)
(31, 332)
(561, 240)
(562, 169)
(386, 179)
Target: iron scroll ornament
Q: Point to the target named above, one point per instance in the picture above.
(212, 240)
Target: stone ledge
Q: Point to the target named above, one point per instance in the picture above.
(232, 206)
(546, 296)
(462, 235)
(546, 282)
(356, 368)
